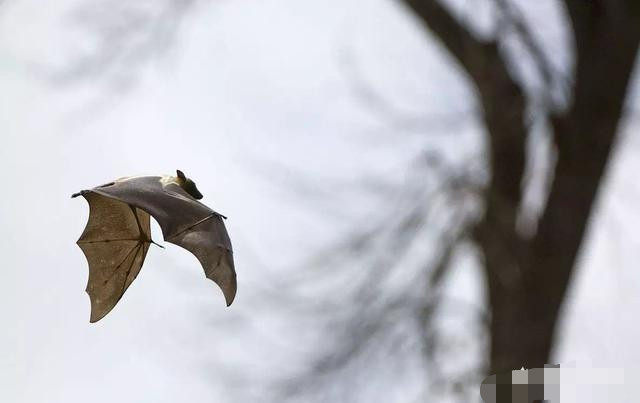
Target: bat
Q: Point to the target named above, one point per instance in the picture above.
(117, 236)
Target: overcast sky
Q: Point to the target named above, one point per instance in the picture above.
(248, 95)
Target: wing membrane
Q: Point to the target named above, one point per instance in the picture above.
(115, 243)
(209, 242)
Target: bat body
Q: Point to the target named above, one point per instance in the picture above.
(118, 234)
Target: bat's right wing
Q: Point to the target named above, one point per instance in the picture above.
(209, 242)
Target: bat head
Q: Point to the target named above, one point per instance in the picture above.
(188, 185)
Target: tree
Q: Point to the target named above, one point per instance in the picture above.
(526, 271)
(527, 276)
(525, 308)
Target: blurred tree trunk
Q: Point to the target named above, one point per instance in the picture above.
(527, 277)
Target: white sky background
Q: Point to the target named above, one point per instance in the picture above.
(247, 82)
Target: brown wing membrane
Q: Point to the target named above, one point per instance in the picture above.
(209, 242)
(115, 243)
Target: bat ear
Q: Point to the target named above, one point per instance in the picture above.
(180, 174)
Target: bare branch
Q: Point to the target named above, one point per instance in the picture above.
(125, 36)
(469, 51)
(502, 99)
(393, 116)
(585, 135)
(513, 17)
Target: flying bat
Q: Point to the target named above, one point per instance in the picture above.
(118, 234)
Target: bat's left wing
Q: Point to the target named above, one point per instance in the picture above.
(115, 243)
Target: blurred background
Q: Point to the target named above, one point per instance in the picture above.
(419, 193)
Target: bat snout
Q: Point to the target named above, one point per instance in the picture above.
(190, 187)
(196, 193)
